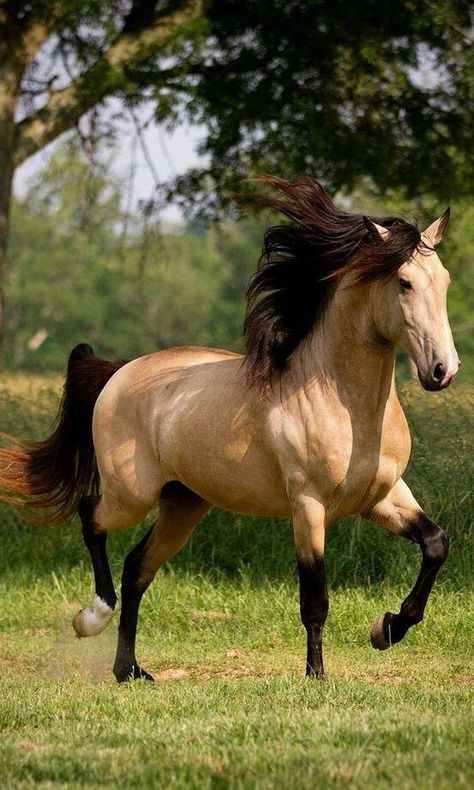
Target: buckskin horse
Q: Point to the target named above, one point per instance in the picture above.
(305, 425)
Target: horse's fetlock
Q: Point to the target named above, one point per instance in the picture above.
(92, 621)
(132, 671)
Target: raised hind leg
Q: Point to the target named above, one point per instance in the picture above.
(180, 512)
(401, 513)
(93, 620)
(98, 515)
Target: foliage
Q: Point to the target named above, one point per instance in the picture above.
(340, 91)
(68, 57)
(73, 275)
(81, 269)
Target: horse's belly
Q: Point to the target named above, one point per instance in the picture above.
(238, 494)
(226, 462)
(245, 486)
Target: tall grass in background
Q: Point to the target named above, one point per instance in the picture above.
(260, 549)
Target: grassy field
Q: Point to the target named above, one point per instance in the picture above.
(220, 631)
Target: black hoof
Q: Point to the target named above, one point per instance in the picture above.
(133, 672)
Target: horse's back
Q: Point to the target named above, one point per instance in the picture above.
(127, 405)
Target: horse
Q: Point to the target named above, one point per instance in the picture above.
(305, 425)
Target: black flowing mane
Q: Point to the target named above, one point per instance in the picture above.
(301, 262)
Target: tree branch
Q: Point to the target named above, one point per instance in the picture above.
(65, 106)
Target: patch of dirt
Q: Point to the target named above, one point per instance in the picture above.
(235, 672)
(172, 673)
(38, 631)
(203, 675)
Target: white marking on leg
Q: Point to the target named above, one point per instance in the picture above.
(92, 621)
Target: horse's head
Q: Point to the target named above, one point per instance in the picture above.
(410, 309)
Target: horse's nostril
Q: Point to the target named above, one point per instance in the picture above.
(439, 372)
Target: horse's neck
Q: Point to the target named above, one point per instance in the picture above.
(345, 354)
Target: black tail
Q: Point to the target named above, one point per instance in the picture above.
(57, 472)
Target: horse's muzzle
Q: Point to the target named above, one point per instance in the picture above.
(437, 379)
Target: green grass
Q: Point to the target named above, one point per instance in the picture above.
(220, 630)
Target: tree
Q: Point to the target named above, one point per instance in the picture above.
(340, 90)
(74, 276)
(330, 87)
(60, 59)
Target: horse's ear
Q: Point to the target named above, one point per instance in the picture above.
(376, 232)
(437, 229)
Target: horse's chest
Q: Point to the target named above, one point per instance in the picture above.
(350, 464)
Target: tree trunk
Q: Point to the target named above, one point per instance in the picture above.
(8, 98)
(6, 179)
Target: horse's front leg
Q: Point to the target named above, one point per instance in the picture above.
(309, 531)
(401, 513)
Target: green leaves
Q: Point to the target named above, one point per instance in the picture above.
(340, 90)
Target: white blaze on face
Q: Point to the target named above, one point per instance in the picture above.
(92, 621)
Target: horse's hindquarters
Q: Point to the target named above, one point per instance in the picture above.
(186, 416)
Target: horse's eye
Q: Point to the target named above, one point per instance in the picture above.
(405, 285)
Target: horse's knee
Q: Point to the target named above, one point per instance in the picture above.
(433, 540)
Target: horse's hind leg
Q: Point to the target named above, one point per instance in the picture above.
(92, 621)
(180, 512)
(401, 513)
(98, 514)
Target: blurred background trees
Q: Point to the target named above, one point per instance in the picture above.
(345, 91)
(342, 90)
(82, 269)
